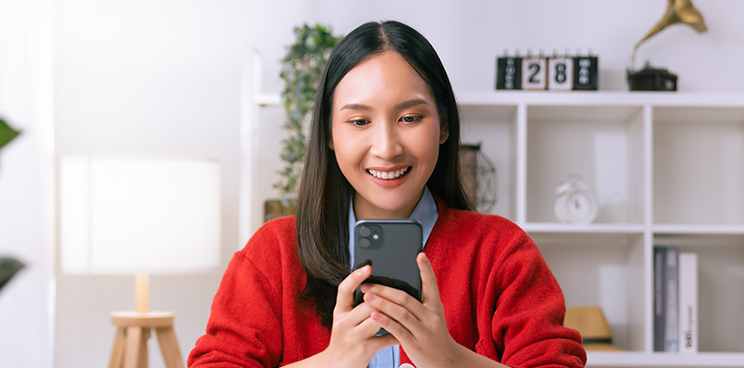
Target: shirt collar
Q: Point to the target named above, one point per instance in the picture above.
(425, 212)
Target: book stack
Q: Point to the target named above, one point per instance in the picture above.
(675, 300)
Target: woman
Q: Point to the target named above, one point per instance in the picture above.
(384, 144)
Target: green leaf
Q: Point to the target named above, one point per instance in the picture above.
(7, 133)
(8, 268)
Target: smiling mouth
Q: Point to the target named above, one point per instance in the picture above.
(389, 175)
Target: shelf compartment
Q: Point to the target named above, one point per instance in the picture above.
(495, 128)
(663, 360)
(698, 165)
(604, 269)
(720, 286)
(602, 144)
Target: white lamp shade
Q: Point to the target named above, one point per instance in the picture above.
(139, 215)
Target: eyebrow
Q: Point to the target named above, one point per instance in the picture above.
(402, 105)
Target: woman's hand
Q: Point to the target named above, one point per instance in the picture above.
(353, 340)
(419, 327)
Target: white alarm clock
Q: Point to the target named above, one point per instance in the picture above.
(575, 203)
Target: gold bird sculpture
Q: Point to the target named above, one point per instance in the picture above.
(677, 11)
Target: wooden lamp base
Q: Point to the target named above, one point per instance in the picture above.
(130, 340)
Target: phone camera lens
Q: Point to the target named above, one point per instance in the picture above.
(364, 231)
(364, 243)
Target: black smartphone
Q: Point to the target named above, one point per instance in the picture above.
(390, 247)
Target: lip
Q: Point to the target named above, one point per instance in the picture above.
(389, 183)
(393, 168)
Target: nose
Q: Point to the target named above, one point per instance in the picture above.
(386, 142)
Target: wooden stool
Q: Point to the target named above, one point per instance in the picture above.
(130, 340)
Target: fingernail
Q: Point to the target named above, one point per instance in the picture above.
(370, 297)
(366, 288)
(363, 269)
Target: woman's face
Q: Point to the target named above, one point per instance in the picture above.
(386, 135)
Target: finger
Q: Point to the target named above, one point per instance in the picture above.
(396, 312)
(400, 332)
(368, 328)
(377, 343)
(359, 319)
(429, 287)
(345, 297)
(356, 316)
(396, 296)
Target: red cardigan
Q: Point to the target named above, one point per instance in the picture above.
(500, 299)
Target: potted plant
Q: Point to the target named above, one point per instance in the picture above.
(302, 68)
(8, 266)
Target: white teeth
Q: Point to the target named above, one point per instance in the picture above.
(387, 175)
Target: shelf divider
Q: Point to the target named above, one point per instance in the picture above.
(682, 229)
(551, 227)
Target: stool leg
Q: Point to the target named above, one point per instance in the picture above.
(117, 351)
(143, 361)
(169, 347)
(132, 350)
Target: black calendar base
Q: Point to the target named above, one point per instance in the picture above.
(652, 79)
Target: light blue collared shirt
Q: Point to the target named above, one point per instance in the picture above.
(426, 213)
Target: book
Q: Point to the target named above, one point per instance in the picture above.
(659, 298)
(688, 307)
(671, 282)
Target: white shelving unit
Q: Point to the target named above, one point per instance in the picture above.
(666, 167)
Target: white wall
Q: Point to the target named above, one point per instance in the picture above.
(146, 78)
(26, 187)
(163, 77)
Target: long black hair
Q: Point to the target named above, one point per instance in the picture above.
(324, 193)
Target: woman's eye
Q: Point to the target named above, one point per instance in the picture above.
(359, 122)
(410, 119)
